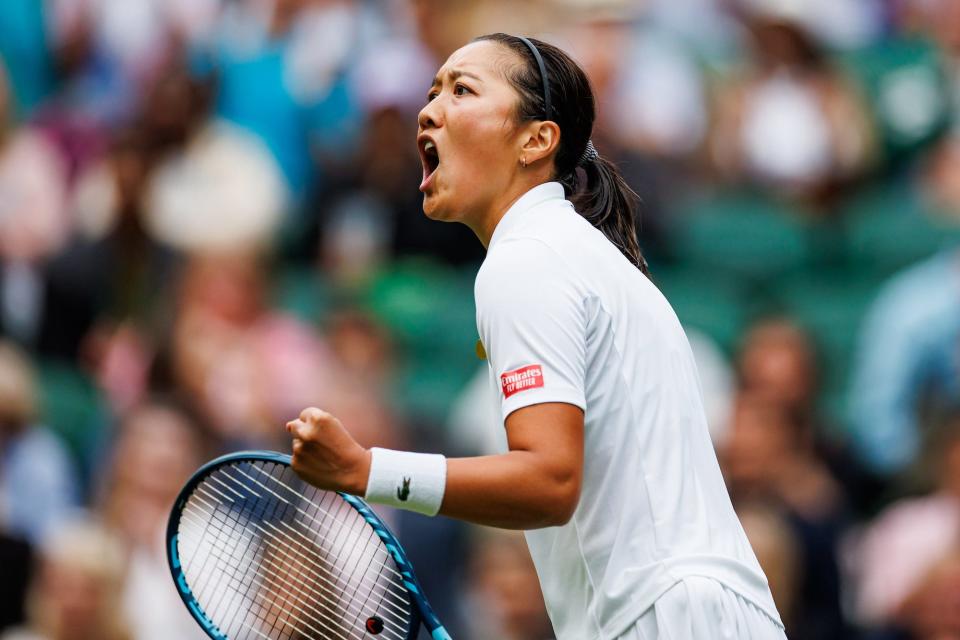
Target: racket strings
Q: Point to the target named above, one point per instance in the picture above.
(314, 569)
(307, 611)
(300, 619)
(272, 569)
(315, 520)
(298, 561)
(316, 506)
(311, 569)
(224, 526)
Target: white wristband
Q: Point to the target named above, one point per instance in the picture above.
(413, 481)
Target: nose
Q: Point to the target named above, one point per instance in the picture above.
(430, 116)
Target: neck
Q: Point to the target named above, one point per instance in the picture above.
(487, 223)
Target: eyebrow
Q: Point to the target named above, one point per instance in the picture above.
(454, 74)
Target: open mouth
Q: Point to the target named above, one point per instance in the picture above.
(430, 158)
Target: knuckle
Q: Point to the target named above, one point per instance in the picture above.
(312, 414)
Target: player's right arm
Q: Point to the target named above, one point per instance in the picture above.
(535, 484)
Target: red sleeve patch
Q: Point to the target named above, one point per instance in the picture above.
(529, 377)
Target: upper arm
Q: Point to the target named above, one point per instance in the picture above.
(532, 321)
(551, 435)
(553, 431)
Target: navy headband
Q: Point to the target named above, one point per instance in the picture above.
(543, 76)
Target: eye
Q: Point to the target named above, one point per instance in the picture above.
(431, 95)
(460, 89)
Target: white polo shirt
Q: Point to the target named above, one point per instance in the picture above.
(565, 317)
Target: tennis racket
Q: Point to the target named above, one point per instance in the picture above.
(257, 553)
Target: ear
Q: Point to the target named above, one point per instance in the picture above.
(540, 141)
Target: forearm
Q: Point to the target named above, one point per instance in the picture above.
(514, 490)
(536, 484)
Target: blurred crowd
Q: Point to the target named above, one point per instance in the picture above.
(209, 220)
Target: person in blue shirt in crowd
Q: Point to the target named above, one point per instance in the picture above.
(909, 355)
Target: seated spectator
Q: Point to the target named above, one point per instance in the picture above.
(778, 361)
(108, 50)
(789, 121)
(215, 186)
(33, 222)
(504, 590)
(38, 480)
(906, 355)
(157, 449)
(649, 86)
(130, 271)
(244, 367)
(909, 558)
(281, 66)
(766, 459)
(768, 455)
(76, 592)
(174, 181)
(652, 116)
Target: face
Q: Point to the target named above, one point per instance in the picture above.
(77, 596)
(777, 362)
(157, 451)
(469, 138)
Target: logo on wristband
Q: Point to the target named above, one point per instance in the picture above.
(404, 493)
(528, 377)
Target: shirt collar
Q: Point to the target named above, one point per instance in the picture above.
(531, 199)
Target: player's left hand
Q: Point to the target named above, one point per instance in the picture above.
(326, 455)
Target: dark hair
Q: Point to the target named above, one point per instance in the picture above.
(603, 198)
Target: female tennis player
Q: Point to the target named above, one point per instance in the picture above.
(607, 462)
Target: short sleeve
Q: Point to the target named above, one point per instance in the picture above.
(532, 321)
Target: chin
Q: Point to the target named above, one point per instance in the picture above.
(434, 209)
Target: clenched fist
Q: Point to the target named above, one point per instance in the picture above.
(325, 455)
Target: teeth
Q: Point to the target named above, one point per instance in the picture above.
(428, 146)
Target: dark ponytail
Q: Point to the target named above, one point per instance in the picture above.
(593, 184)
(609, 204)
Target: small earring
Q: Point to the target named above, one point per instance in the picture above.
(523, 162)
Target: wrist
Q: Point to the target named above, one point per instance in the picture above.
(357, 484)
(406, 480)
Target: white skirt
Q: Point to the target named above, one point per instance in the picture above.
(699, 608)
